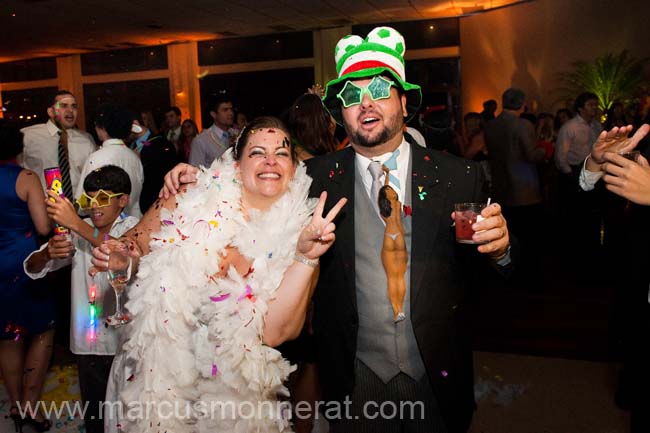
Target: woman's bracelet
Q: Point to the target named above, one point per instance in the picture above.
(305, 261)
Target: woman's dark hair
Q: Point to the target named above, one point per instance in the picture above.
(108, 178)
(193, 123)
(11, 141)
(260, 123)
(385, 208)
(309, 123)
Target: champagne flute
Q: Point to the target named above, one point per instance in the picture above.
(119, 274)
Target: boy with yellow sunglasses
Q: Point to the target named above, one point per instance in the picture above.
(106, 194)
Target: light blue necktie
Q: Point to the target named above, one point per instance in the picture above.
(391, 164)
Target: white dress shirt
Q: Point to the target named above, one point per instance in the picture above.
(115, 152)
(41, 150)
(400, 173)
(106, 339)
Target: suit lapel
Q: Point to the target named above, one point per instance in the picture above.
(341, 184)
(427, 200)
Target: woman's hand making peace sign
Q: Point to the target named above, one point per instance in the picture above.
(318, 236)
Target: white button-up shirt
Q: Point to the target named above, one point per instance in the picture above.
(115, 152)
(41, 150)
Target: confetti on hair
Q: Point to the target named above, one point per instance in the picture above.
(331, 174)
(444, 373)
(422, 195)
(427, 158)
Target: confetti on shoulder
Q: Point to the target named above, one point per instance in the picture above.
(220, 298)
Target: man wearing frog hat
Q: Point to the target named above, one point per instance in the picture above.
(366, 352)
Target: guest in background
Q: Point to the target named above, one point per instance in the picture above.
(211, 143)
(157, 156)
(113, 126)
(189, 131)
(311, 126)
(173, 126)
(149, 121)
(489, 110)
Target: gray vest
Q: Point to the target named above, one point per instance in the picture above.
(386, 347)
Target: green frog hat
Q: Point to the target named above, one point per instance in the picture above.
(381, 53)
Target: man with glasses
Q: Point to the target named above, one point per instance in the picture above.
(363, 353)
(47, 144)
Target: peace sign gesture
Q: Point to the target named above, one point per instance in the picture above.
(319, 235)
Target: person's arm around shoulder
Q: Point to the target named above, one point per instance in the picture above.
(29, 189)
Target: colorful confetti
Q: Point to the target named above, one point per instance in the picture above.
(408, 211)
(214, 370)
(220, 297)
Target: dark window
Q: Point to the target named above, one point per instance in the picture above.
(421, 34)
(256, 93)
(28, 70)
(27, 107)
(128, 60)
(136, 95)
(280, 46)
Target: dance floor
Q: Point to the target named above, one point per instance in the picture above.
(515, 394)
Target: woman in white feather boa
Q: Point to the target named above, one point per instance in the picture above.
(225, 274)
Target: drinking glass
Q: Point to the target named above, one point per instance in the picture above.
(119, 274)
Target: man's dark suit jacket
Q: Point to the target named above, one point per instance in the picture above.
(438, 271)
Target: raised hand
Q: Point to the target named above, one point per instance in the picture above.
(615, 140)
(319, 235)
(61, 211)
(627, 178)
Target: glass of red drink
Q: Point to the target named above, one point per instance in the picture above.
(466, 214)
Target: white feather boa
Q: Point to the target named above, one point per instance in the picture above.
(194, 339)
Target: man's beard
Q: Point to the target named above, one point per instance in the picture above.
(358, 138)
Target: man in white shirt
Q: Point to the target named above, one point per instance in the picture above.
(212, 142)
(42, 140)
(113, 127)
